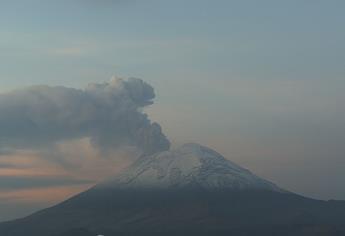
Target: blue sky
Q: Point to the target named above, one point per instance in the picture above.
(72, 42)
(260, 81)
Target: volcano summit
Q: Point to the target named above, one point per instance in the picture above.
(191, 166)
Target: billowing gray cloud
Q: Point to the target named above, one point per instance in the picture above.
(109, 113)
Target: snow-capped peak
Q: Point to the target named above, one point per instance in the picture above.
(191, 165)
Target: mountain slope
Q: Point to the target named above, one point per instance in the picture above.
(190, 191)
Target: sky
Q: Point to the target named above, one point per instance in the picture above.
(259, 81)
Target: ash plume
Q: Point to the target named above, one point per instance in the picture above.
(109, 113)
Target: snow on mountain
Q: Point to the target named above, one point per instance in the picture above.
(191, 165)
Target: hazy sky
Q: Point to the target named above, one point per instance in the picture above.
(259, 81)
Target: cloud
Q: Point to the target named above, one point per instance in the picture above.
(109, 113)
(5, 151)
(30, 182)
(8, 166)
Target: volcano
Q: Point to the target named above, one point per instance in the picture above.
(192, 190)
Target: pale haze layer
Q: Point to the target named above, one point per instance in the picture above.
(259, 81)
